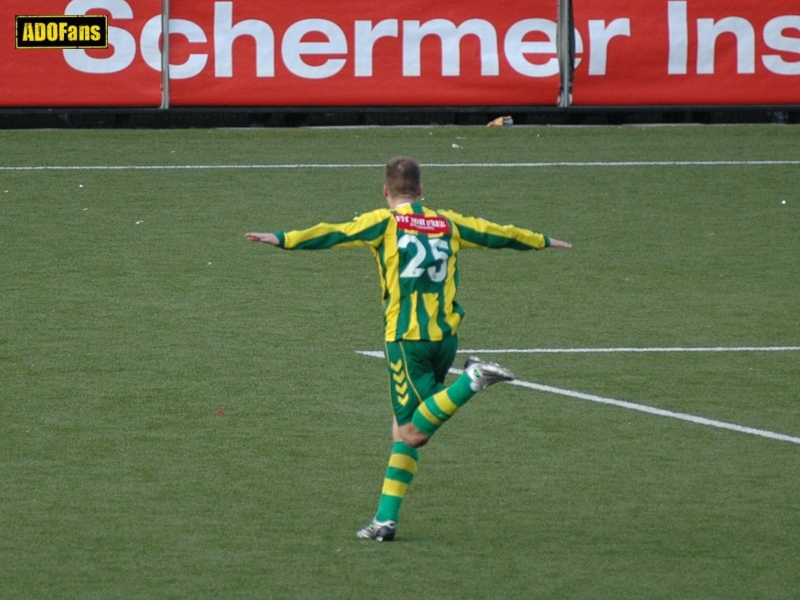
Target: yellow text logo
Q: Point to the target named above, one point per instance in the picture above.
(62, 31)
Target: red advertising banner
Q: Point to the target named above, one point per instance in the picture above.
(664, 52)
(410, 53)
(117, 76)
(363, 53)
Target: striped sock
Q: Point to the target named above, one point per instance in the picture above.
(401, 470)
(436, 410)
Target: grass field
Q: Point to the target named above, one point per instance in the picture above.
(132, 311)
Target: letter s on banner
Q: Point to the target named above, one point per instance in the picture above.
(775, 40)
(123, 42)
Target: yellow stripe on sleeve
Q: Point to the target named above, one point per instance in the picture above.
(487, 234)
(365, 230)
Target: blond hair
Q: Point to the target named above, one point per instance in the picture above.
(403, 176)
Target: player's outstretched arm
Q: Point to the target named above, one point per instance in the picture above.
(264, 238)
(559, 244)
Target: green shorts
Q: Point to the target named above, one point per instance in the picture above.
(417, 371)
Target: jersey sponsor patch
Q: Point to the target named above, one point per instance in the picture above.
(422, 223)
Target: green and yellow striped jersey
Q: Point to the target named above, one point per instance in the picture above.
(415, 249)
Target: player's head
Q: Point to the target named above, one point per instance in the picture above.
(403, 178)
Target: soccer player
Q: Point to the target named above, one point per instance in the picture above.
(416, 248)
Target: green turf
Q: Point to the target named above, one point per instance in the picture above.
(132, 310)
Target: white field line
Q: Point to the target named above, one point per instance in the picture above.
(660, 163)
(658, 411)
(633, 350)
(637, 407)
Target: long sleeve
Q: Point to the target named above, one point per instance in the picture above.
(365, 230)
(480, 233)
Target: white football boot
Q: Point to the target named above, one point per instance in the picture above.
(380, 531)
(483, 374)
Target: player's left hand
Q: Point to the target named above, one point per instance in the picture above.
(264, 238)
(559, 244)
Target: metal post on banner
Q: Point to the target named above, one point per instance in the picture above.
(164, 53)
(565, 43)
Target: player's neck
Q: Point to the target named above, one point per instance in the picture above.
(397, 201)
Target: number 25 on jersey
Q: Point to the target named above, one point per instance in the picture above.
(425, 252)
